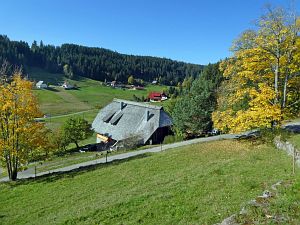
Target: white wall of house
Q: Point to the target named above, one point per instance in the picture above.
(40, 86)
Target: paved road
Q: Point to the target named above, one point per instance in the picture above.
(292, 126)
(30, 173)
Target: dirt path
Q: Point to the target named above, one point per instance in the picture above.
(72, 114)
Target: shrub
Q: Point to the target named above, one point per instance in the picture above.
(172, 139)
(268, 134)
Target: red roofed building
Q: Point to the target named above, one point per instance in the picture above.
(157, 97)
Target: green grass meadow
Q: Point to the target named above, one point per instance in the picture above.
(56, 122)
(90, 94)
(282, 209)
(295, 140)
(197, 184)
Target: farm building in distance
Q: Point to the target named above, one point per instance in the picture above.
(67, 86)
(41, 85)
(157, 97)
(121, 120)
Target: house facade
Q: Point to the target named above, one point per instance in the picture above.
(157, 97)
(121, 120)
(41, 85)
(67, 86)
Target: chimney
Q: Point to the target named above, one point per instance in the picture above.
(147, 115)
(122, 105)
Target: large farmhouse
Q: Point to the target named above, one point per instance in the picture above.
(121, 119)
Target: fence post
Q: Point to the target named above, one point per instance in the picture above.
(294, 160)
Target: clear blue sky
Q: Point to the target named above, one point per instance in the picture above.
(187, 30)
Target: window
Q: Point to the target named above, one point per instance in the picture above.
(116, 119)
(108, 117)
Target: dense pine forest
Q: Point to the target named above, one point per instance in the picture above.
(95, 63)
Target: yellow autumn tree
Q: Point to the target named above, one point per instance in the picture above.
(21, 137)
(262, 78)
(130, 80)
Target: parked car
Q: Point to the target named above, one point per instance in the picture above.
(213, 132)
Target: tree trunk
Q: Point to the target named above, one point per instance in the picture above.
(8, 168)
(276, 81)
(12, 168)
(284, 92)
(77, 146)
(14, 175)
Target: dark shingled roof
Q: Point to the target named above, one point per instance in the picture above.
(122, 119)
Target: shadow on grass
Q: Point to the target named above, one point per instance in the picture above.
(47, 178)
(52, 89)
(293, 128)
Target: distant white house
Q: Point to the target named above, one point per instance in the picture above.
(41, 85)
(113, 83)
(67, 86)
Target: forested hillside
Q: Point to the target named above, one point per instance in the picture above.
(96, 63)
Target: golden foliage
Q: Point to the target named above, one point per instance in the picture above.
(20, 135)
(262, 83)
(259, 111)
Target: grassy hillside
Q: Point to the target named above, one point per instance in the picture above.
(90, 94)
(295, 140)
(282, 209)
(85, 101)
(56, 122)
(198, 184)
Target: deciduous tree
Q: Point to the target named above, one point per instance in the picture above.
(262, 78)
(130, 80)
(68, 71)
(76, 129)
(21, 137)
(57, 141)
